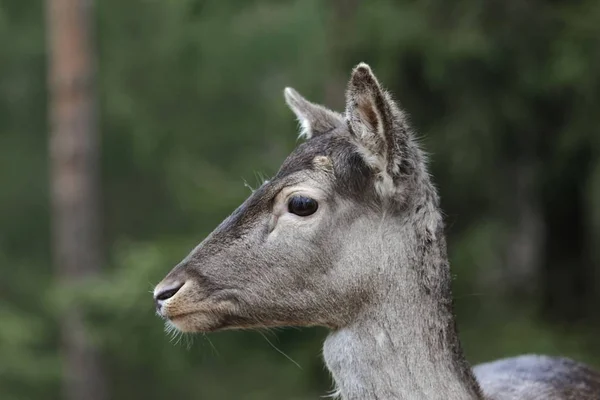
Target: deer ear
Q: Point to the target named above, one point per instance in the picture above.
(376, 122)
(314, 119)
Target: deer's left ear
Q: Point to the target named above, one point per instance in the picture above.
(314, 119)
(376, 123)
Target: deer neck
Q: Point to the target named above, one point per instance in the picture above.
(404, 345)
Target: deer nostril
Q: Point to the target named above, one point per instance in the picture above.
(168, 292)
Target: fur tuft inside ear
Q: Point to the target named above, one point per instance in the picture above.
(377, 124)
(314, 119)
(367, 111)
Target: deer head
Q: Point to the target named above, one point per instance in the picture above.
(305, 248)
(349, 235)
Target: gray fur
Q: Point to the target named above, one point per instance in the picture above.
(533, 377)
(370, 264)
(314, 118)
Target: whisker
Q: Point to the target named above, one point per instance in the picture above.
(247, 185)
(212, 345)
(189, 341)
(279, 351)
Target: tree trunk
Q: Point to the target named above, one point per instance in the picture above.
(526, 236)
(340, 24)
(74, 181)
(569, 290)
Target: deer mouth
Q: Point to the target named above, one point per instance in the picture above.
(205, 317)
(191, 310)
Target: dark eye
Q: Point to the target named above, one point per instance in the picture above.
(302, 206)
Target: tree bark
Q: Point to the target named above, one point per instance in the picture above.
(74, 183)
(526, 237)
(340, 24)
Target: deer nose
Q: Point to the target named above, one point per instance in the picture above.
(165, 292)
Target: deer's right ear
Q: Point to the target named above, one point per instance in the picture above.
(378, 126)
(314, 119)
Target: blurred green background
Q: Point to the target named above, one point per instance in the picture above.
(505, 96)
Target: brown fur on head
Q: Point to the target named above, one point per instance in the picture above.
(267, 266)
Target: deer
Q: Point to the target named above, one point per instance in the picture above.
(349, 235)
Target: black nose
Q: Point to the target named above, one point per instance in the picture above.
(166, 292)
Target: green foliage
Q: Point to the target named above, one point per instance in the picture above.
(190, 101)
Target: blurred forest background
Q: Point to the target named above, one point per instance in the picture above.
(189, 106)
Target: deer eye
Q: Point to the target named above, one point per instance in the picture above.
(302, 206)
